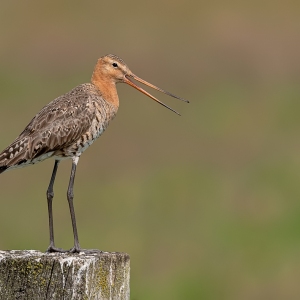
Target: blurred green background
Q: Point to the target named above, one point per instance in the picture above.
(207, 204)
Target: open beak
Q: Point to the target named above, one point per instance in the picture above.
(127, 79)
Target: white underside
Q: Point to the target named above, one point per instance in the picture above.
(75, 158)
(37, 160)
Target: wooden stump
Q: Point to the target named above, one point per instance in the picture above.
(34, 275)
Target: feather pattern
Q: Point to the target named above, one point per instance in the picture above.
(64, 128)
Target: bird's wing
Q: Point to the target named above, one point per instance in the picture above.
(59, 124)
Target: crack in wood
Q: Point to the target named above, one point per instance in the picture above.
(34, 275)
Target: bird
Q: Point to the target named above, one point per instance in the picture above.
(68, 125)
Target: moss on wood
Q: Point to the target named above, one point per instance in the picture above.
(34, 275)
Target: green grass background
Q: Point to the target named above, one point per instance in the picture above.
(207, 204)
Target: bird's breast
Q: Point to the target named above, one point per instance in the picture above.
(104, 113)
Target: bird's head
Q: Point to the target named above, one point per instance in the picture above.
(112, 69)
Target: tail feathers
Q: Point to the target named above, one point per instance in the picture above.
(15, 154)
(2, 169)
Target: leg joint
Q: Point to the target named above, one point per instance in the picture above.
(50, 195)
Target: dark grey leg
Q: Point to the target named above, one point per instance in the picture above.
(50, 195)
(70, 195)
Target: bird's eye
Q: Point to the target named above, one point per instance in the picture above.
(115, 65)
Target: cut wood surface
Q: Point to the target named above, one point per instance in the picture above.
(31, 274)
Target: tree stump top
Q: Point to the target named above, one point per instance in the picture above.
(30, 274)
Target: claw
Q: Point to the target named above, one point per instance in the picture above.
(52, 249)
(85, 251)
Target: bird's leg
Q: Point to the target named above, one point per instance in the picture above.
(50, 195)
(70, 196)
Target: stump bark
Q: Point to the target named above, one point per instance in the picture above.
(34, 275)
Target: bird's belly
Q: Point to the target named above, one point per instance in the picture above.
(88, 139)
(83, 146)
(31, 161)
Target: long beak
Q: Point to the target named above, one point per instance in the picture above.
(129, 82)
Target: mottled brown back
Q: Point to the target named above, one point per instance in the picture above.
(59, 127)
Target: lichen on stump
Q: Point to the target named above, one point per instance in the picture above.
(34, 275)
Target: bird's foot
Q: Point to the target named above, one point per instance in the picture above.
(85, 251)
(52, 249)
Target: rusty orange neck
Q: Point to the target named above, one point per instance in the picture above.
(107, 88)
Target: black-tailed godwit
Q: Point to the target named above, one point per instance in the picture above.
(69, 125)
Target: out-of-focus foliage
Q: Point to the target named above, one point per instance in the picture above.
(207, 204)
